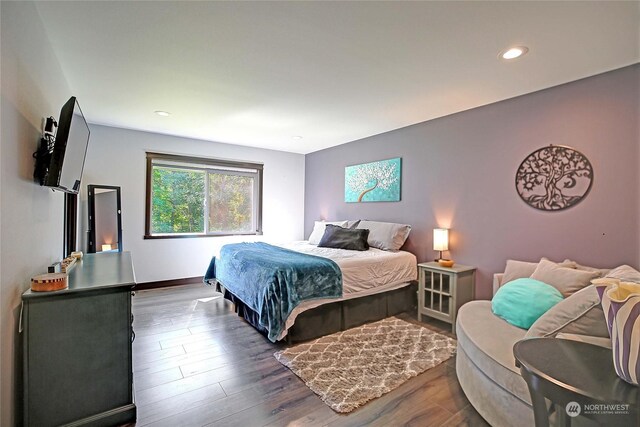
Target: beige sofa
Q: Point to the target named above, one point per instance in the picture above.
(485, 364)
(486, 367)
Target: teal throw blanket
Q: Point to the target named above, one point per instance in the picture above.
(272, 281)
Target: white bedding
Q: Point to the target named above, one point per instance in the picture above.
(363, 273)
(362, 270)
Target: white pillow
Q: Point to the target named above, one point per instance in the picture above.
(387, 236)
(319, 228)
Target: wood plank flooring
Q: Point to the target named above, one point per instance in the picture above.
(196, 363)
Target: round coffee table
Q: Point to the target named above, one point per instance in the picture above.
(579, 379)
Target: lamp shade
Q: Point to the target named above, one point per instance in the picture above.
(440, 239)
(106, 247)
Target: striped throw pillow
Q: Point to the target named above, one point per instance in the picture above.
(621, 305)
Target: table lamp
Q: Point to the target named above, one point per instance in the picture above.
(441, 243)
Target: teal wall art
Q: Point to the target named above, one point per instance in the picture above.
(373, 182)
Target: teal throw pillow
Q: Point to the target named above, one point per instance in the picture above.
(522, 301)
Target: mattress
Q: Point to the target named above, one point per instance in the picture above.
(363, 273)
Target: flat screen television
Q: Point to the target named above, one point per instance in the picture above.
(69, 150)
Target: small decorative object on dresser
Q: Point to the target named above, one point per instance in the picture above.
(442, 290)
(49, 282)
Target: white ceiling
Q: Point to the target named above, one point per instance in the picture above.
(259, 73)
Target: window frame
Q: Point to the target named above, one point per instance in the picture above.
(197, 163)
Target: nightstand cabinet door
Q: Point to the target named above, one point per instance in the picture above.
(443, 290)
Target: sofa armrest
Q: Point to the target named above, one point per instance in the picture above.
(497, 282)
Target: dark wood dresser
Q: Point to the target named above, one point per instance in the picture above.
(77, 366)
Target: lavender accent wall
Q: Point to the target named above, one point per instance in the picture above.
(458, 172)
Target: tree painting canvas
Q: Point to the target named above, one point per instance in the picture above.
(373, 182)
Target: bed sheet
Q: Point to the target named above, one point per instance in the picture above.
(363, 270)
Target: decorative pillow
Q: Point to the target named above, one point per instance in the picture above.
(581, 314)
(599, 341)
(318, 230)
(518, 270)
(522, 301)
(566, 280)
(625, 273)
(521, 269)
(602, 271)
(344, 238)
(352, 223)
(387, 236)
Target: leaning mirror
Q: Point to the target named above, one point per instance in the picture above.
(105, 219)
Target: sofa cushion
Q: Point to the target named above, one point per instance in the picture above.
(580, 313)
(566, 280)
(488, 341)
(522, 269)
(522, 301)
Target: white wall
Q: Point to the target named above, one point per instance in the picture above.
(33, 87)
(117, 157)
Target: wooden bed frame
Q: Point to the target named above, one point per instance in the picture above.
(339, 315)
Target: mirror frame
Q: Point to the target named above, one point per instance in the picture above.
(91, 189)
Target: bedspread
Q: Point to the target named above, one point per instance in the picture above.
(272, 280)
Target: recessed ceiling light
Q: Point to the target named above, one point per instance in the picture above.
(514, 52)
(297, 137)
(163, 113)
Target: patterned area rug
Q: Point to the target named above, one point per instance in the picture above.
(348, 369)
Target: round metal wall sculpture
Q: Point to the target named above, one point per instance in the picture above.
(554, 178)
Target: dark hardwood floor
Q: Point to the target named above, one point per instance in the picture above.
(197, 363)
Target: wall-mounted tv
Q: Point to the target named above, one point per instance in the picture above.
(65, 160)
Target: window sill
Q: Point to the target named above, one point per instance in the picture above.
(196, 236)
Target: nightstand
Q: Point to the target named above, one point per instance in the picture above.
(442, 290)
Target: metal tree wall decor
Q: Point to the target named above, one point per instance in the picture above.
(554, 178)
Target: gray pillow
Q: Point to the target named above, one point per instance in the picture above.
(566, 280)
(580, 313)
(387, 236)
(523, 269)
(599, 341)
(344, 238)
(318, 230)
(352, 223)
(625, 274)
(602, 271)
(518, 270)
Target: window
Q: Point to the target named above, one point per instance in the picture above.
(194, 197)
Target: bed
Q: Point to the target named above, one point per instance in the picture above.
(373, 284)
